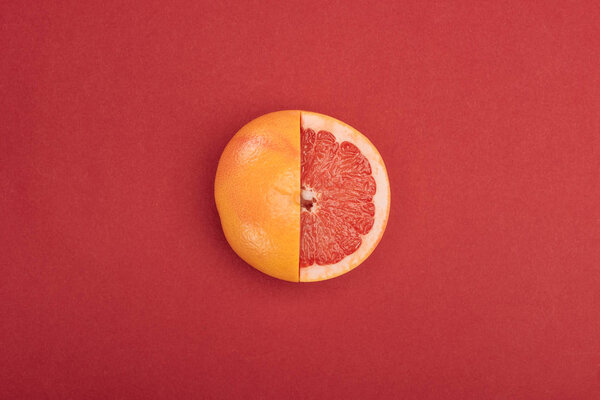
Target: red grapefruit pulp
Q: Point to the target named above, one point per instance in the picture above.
(345, 197)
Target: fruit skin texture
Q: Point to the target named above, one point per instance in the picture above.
(257, 193)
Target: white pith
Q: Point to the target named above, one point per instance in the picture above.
(381, 200)
(308, 194)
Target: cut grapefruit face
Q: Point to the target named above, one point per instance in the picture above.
(345, 197)
(302, 196)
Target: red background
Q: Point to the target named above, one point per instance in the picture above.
(116, 280)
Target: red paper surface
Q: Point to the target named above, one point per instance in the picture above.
(116, 280)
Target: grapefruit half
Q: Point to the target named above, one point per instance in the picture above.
(302, 196)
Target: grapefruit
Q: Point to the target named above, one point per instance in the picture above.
(302, 196)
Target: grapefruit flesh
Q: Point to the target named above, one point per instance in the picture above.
(301, 196)
(345, 197)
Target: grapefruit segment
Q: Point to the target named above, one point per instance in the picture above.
(345, 197)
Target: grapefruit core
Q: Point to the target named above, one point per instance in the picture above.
(302, 196)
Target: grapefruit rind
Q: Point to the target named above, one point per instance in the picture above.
(257, 193)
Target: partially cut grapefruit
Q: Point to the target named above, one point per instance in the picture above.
(302, 196)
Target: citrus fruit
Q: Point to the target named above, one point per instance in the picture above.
(302, 196)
